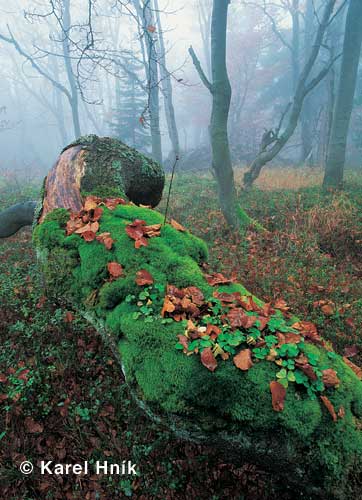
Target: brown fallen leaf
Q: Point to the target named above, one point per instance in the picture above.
(208, 359)
(292, 338)
(242, 360)
(327, 309)
(357, 370)
(115, 269)
(106, 239)
(68, 317)
(143, 278)
(168, 306)
(350, 351)
(330, 378)
(278, 393)
(33, 427)
(327, 403)
(90, 203)
(177, 225)
(88, 236)
(217, 279)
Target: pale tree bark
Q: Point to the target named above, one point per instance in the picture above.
(147, 24)
(68, 66)
(344, 103)
(304, 87)
(166, 86)
(306, 119)
(204, 9)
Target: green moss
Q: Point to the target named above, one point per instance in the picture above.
(173, 382)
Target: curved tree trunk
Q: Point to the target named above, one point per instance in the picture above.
(347, 85)
(14, 218)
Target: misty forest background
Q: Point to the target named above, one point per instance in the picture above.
(257, 107)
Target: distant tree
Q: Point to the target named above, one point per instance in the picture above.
(344, 100)
(147, 28)
(131, 101)
(306, 83)
(166, 87)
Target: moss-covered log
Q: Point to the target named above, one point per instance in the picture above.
(142, 284)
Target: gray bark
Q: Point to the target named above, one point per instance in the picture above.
(346, 89)
(167, 89)
(307, 110)
(16, 217)
(221, 97)
(145, 15)
(68, 66)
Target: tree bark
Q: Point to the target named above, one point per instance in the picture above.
(73, 100)
(145, 15)
(166, 85)
(221, 97)
(307, 110)
(347, 85)
(14, 218)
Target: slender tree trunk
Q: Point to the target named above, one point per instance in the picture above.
(296, 43)
(307, 110)
(59, 105)
(167, 89)
(73, 101)
(221, 97)
(347, 85)
(145, 15)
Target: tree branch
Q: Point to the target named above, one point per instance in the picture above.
(199, 69)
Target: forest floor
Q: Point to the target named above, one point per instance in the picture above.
(62, 395)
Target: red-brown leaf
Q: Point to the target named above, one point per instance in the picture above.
(357, 370)
(243, 360)
(33, 427)
(115, 269)
(329, 407)
(89, 236)
(330, 378)
(350, 351)
(177, 225)
(217, 279)
(143, 277)
(208, 359)
(278, 393)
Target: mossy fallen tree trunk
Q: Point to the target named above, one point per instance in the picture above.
(198, 351)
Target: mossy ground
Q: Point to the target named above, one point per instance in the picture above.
(172, 382)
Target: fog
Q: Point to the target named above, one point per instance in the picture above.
(105, 41)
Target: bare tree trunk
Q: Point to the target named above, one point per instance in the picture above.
(73, 101)
(167, 89)
(307, 110)
(145, 15)
(295, 43)
(59, 105)
(220, 90)
(221, 97)
(347, 85)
